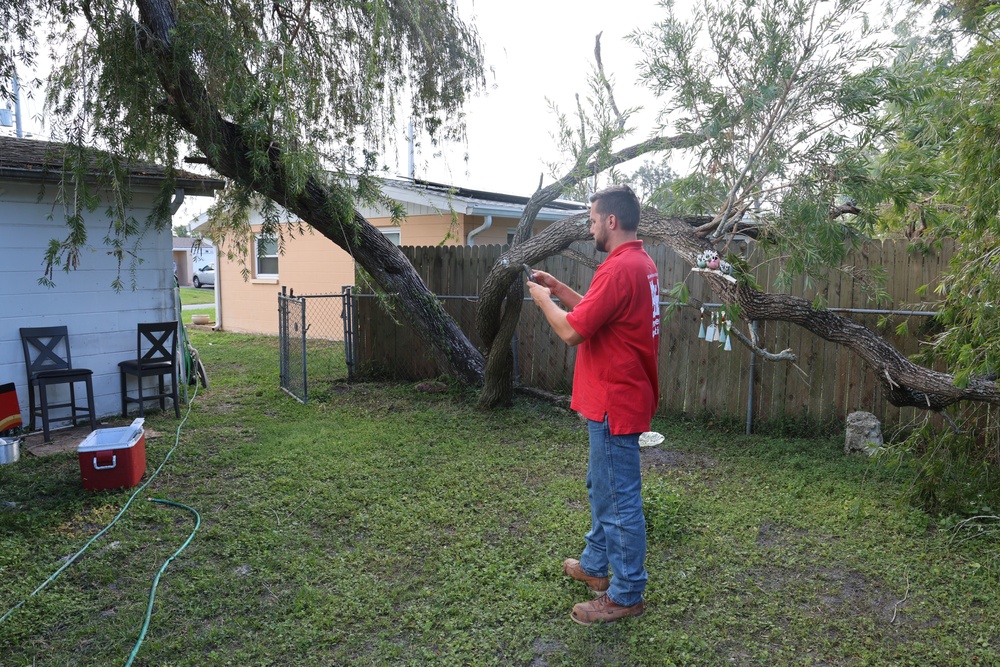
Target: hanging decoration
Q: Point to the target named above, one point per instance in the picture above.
(719, 329)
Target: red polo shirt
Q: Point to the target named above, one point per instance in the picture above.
(619, 319)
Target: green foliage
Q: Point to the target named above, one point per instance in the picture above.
(781, 91)
(652, 184)
(314, 87)
(693, 194)
(586, 139)
(668, 513)
(937, 174)
(949, 472)
(678, 296)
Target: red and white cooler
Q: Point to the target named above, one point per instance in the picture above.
(113, 458)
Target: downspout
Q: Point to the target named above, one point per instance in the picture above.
(218, 292)
(470, 239)
(176, 202)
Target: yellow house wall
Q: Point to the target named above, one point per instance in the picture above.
(311, 264)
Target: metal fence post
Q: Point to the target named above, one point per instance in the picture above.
(347, 313)
(305, 382)
(283, 338)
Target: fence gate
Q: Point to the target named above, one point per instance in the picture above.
(292, 344)
(316, 335)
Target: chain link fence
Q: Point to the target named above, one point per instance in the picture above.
(316, 334)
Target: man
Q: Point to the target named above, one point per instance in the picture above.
(617, 328)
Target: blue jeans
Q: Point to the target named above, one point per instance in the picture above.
(617, 534)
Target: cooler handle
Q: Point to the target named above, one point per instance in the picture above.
(114, 462)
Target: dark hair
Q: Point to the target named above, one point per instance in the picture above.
(620, 201)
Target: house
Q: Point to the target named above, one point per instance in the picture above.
(101, 322)
(190, 253)
(312, 264)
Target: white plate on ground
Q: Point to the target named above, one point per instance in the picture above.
(650, 439)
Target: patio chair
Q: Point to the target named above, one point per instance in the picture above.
(156, 356)
(48, 363)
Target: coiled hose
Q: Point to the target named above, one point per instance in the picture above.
(156, 581)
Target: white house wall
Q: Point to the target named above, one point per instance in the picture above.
(102, 323)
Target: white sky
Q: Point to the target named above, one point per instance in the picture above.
(534, 49)
(537, 49)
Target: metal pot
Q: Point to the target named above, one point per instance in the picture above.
(10, 450)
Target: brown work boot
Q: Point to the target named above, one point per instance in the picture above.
(604, 609)
(571, 566)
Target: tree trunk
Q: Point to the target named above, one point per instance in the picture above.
(491, 328)
(225, 146)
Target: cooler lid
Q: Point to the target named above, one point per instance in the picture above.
(113, 438)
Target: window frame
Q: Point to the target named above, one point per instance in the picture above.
(257, 238)
(392, 230)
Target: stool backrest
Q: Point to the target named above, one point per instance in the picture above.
(45, 349)
(156, 343)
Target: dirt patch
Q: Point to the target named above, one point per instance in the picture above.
(665, 457)
(542, 648)
(833, 590)
(774, 535)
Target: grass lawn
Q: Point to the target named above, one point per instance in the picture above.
(380, 525)
(187, 314)
(196, 297)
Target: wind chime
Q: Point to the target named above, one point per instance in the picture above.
(718, 329)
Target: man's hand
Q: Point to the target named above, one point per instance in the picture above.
(541, 294)
(538, 291)
(545, 279)
(553, 289)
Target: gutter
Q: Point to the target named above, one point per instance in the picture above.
(546, 214)
(196, 187)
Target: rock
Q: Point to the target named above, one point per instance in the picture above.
(864, 433)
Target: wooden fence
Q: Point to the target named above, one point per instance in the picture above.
(826, 382)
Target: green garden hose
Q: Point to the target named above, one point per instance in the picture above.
(152, 593)
(156, 581)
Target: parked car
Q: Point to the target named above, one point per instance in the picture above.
(204, 276)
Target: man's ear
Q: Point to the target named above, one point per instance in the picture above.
(612, 221)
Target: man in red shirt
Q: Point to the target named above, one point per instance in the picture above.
(617, 328)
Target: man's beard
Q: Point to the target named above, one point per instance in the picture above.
(599, 244)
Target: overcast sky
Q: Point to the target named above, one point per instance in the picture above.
(534, 49)
(537, 49)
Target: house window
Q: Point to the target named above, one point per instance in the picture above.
(393, 234)
(510, 236)
(267, 257)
